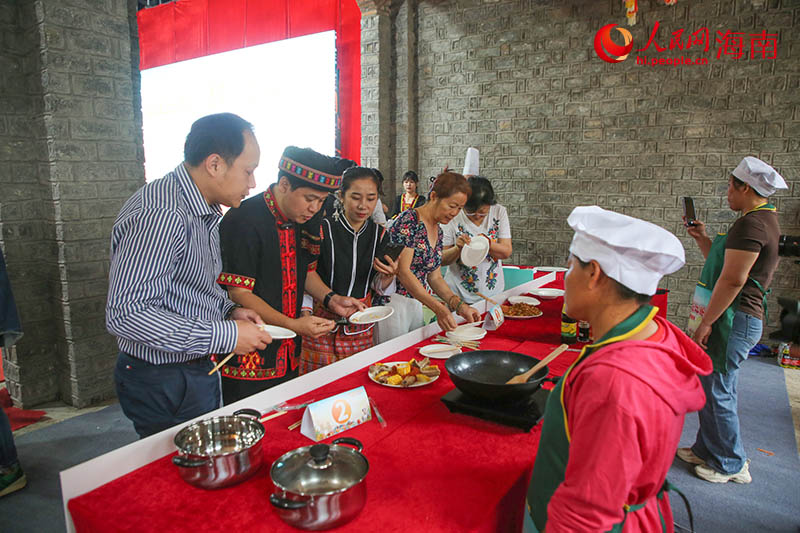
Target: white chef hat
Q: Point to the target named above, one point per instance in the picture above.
(472, 162)
(633, 252)
(760, 176)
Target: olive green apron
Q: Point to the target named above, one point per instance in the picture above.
(553, 453)
(721, 328)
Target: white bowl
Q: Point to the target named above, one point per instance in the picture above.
(547, 294)
(475, 252)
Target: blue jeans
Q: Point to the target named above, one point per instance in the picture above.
(8, 452)
(719, 441)
(157, 397)
(527, 523)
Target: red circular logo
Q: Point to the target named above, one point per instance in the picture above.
(607, 49)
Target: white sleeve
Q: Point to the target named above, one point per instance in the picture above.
(389, 290)
(308, 302)
(504, 232)
(449, 234)
(378, 215)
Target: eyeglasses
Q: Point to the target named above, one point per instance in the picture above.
(476, 214)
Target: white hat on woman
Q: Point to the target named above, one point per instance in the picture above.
(760, 176)
(472, 162)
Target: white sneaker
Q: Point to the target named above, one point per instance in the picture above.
(686, 454)
(709, 474)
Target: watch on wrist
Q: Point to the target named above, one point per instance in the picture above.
(328, 299)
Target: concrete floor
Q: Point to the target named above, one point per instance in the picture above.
(58, 412)
(793, 388)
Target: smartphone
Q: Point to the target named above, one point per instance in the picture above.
(688, 211)
(392, 250)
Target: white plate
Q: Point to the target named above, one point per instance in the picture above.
(468, 330)
(467, 333)
(392, 363)
(475, 252)
(551, 269)
(370, 315)
(547, 294)
(277, 332)
(439, 351)
(523, 300)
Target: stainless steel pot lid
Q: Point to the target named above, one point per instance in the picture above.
(220, 435)
(320, 469)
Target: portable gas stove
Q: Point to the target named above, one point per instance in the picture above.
(523, 415)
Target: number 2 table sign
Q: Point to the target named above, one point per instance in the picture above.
(494, 318)
(333, 415)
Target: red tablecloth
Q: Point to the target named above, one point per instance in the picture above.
(430, 470)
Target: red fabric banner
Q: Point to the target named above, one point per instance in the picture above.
(191, 29)
(187, 29)
(227, 23)
(266, 22)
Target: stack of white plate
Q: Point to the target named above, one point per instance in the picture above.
(467, 333)
(546, 293)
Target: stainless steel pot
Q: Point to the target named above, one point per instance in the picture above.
(320, 486)
(221, 451)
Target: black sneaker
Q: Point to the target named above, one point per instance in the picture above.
(12, 479)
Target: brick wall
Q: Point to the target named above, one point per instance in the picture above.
(557, 127)
(25, 210)
(81, 72)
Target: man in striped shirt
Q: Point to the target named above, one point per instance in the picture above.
(164, 305)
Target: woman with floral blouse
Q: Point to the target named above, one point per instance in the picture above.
(418, 272)
(482, 215)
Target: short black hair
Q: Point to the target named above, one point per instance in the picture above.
(221, 134)
(739, 184)
(410, 175)
(622, 291)
(356, 173)
(482, 194)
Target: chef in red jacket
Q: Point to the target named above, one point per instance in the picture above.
(613, 421)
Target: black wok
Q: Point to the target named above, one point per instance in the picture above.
(484, 373)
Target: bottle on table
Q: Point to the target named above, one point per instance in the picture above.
(569, 328)
(584, 329)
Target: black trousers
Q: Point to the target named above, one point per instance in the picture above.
(157, 397)
(8, 452)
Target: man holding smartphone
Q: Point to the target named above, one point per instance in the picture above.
(727, 310)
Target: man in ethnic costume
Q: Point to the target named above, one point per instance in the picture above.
(269, 244)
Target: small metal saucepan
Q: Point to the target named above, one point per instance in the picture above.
(484, 373)
(221, 451)
(320, 486)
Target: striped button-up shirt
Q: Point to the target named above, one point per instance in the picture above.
(164, 304)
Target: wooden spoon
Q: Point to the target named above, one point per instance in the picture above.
(525, 376)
